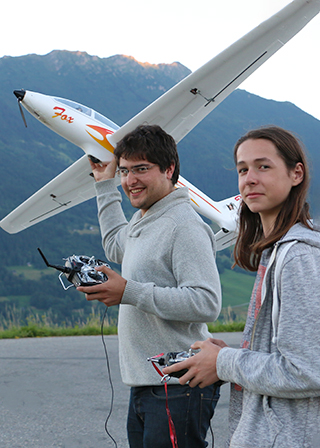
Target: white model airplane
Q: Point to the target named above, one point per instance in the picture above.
(177, 111)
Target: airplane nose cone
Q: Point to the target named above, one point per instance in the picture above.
(19, 94)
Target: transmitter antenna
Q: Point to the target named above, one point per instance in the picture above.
(64, 269)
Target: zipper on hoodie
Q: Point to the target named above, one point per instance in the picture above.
(263, 290)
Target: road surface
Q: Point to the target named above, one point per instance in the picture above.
(55, 392)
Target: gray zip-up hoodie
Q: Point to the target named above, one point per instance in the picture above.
(279, 373)
(173, 287)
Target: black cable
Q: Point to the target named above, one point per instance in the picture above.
(110, 380)
(215, 387)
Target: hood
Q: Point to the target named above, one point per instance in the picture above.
(299, 232)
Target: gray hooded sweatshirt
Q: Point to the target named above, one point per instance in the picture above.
(173, 287)
(276, 400)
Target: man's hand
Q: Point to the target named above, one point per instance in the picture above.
(103, 171)
(202, 367)
(109, 292)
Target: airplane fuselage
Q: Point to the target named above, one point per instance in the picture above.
(89, 129)
(177, 111)
(73, 121)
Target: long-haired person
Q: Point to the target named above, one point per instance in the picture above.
(275, 375)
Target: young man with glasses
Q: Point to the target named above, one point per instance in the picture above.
(169, 287)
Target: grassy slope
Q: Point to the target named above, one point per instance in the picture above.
(236, 288)
(236, 291)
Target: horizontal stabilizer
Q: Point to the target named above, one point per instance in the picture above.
(224, 239)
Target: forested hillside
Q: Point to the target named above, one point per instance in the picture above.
(118, 87)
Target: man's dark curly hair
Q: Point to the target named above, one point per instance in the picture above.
(151, 143)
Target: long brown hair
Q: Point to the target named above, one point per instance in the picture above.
(251, 241)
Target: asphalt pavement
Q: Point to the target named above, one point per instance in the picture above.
(56, 392)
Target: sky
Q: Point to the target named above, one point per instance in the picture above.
(186, 31)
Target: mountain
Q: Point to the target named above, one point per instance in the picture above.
(118, 87)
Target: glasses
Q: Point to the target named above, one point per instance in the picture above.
(136, 170)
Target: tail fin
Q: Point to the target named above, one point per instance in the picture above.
(224, 213)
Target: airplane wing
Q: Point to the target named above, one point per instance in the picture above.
(178, 111)
(76, 185)
(73, 186)
(182, 107)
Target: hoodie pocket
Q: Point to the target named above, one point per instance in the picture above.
(259, 426)
(274, 424)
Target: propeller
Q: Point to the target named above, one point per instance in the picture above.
(20, 95)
